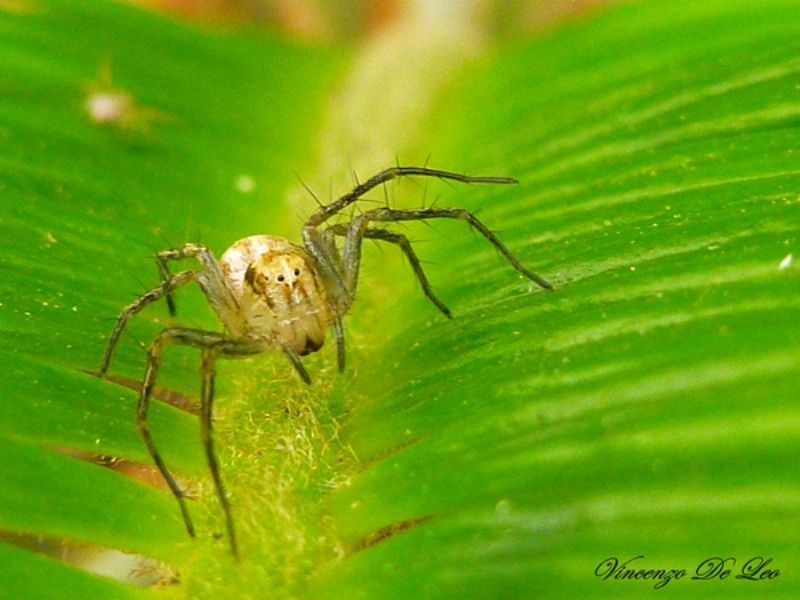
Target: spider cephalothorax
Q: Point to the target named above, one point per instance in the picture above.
(272, 294)
(280, 295)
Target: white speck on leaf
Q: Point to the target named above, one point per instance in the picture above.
(786, 262)
(245, 184)
(109, 107)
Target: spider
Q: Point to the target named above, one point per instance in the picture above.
(272, 294)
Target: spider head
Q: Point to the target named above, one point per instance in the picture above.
(287, 299)
(278, 276)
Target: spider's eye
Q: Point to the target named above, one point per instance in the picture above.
(296, 272)
(281, 278)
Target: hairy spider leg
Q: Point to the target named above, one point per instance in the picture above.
(211, 278)
(208, 374)
(351, 257)
(320, 245)
(405, 245)
(294, 358)
(327, 211)
(164, 289)
(213, 345)
(153, 364)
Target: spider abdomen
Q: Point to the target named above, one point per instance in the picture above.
(280, 296)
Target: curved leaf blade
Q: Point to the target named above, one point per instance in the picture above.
(648, 405)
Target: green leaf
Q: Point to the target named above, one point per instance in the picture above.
(647, 407)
